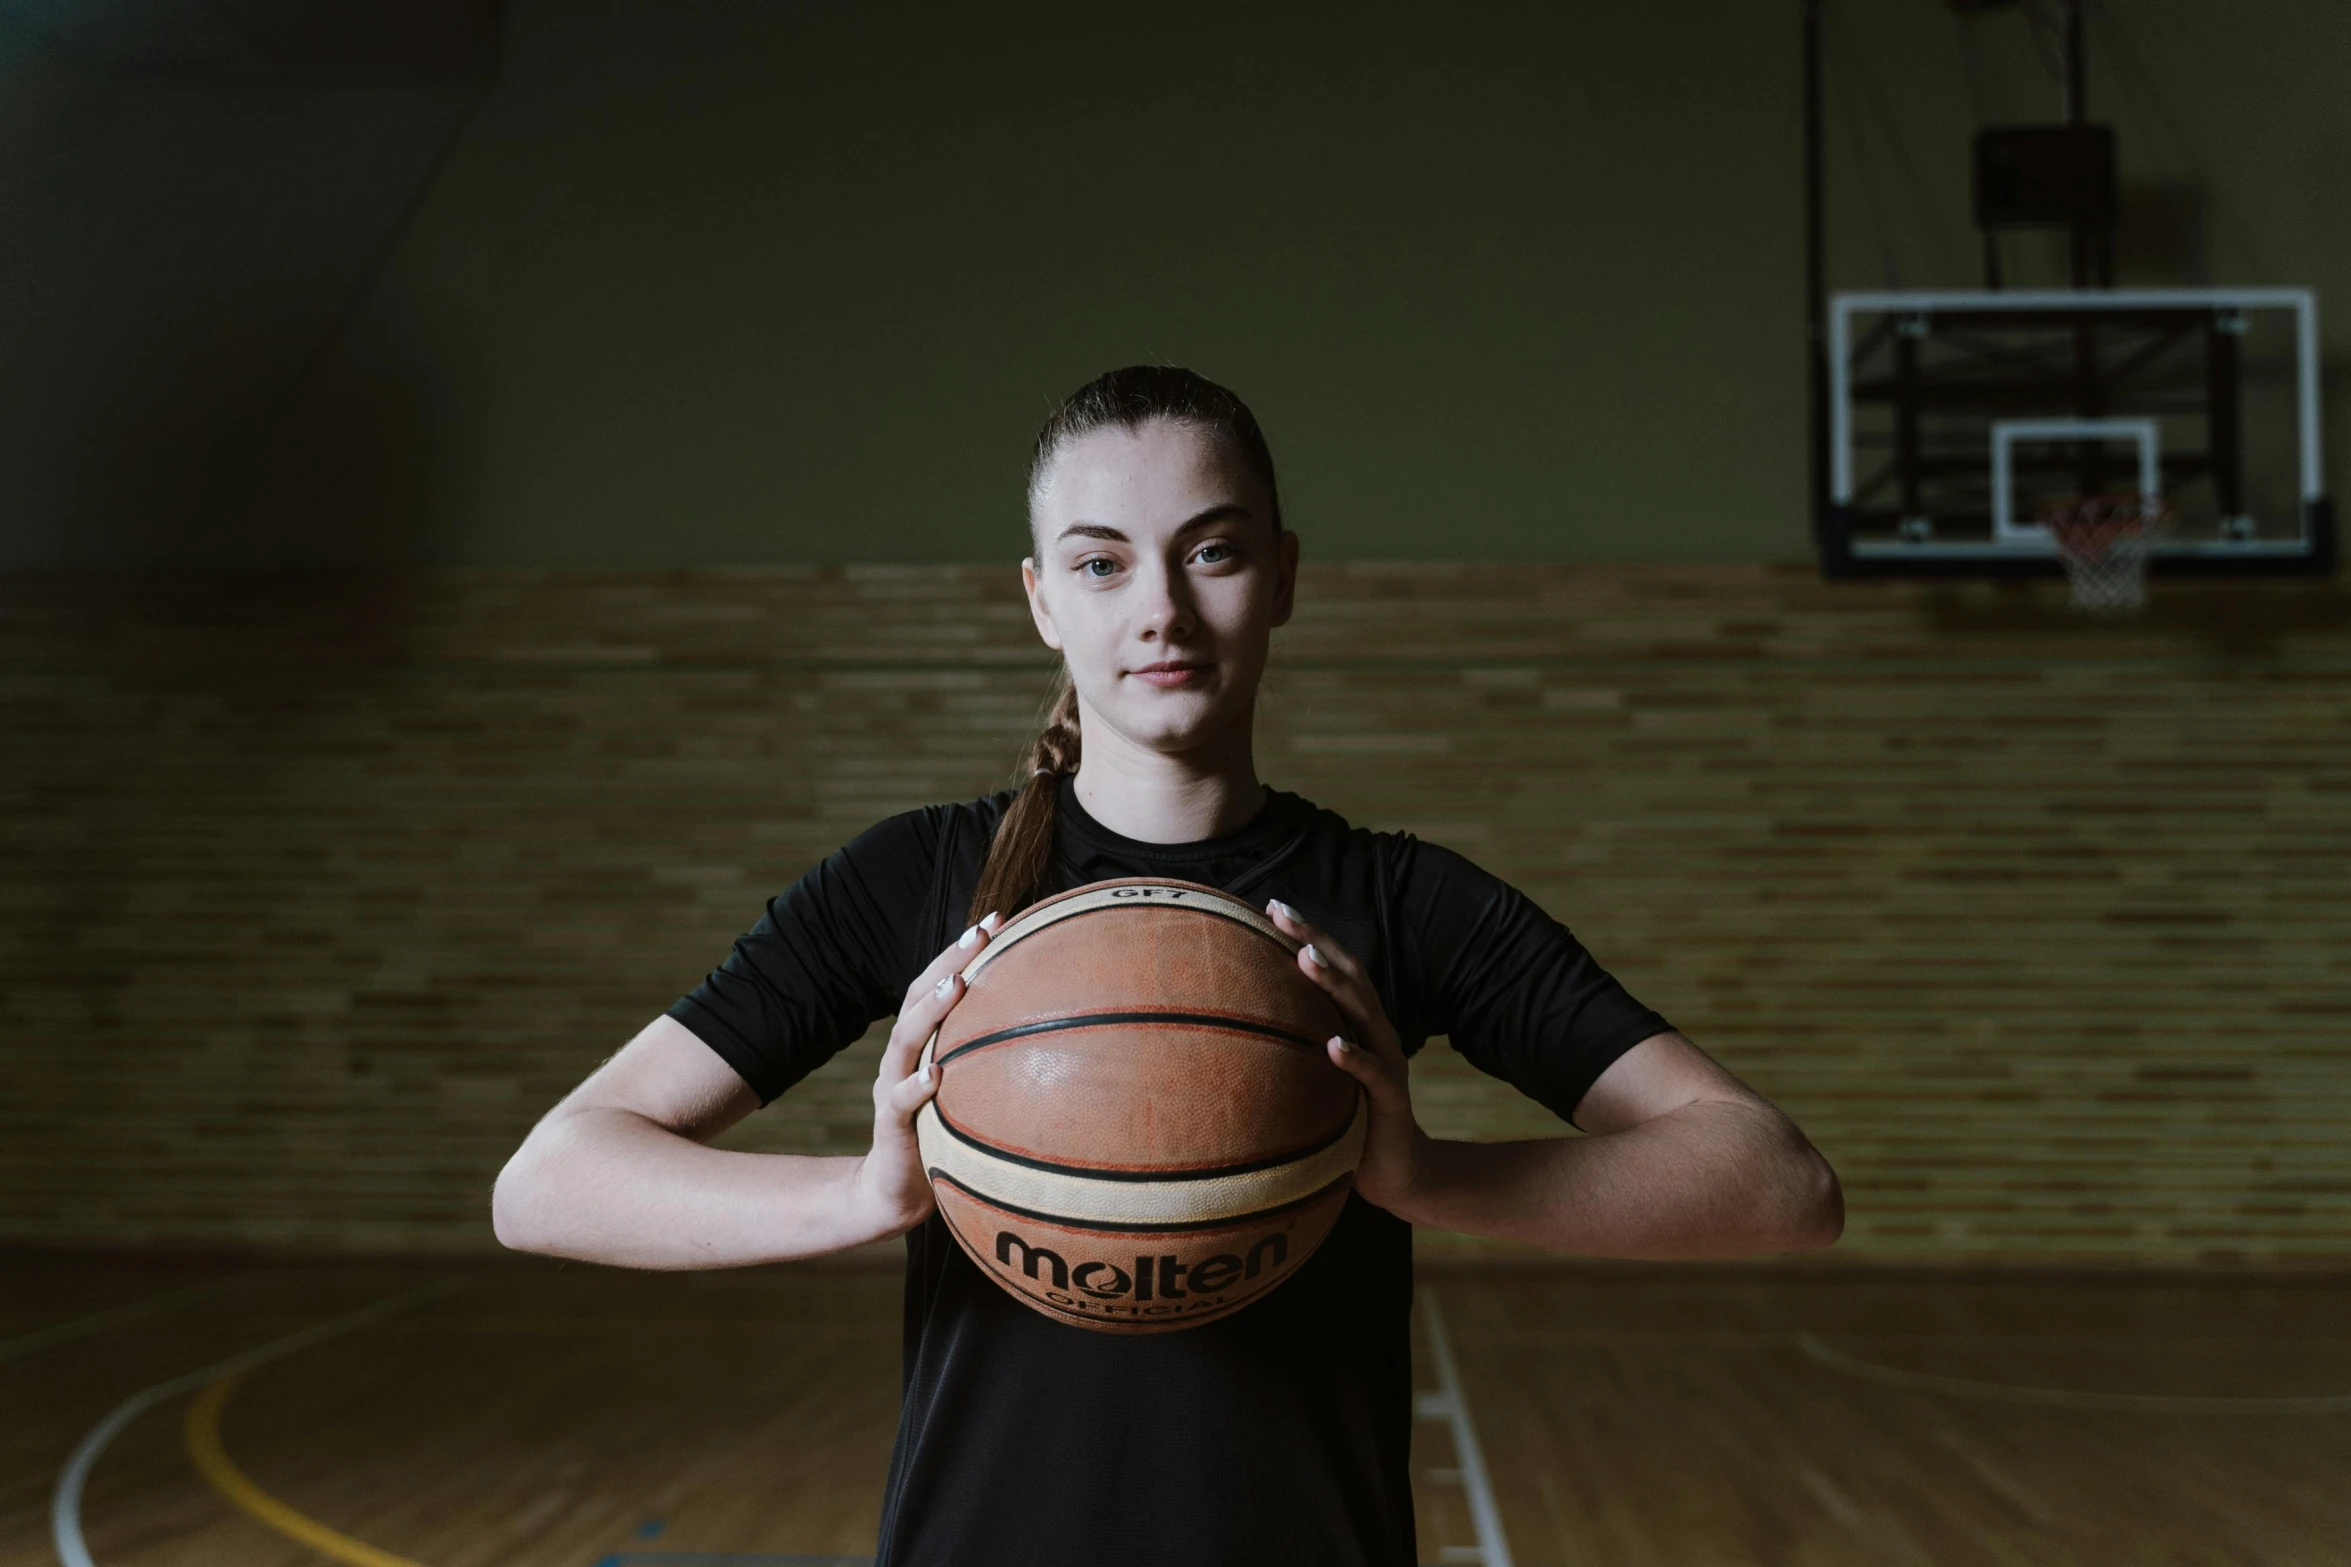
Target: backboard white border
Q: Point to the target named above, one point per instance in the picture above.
(1844, 307)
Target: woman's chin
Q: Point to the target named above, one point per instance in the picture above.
(1174, 721)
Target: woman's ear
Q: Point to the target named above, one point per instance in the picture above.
(1037, 610)
(1285, 580)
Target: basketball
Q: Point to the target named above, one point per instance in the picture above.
(1137, 1128)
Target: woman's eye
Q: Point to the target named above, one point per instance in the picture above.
(1214, 554)
(1098, 567)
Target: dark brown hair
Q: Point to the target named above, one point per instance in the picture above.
(1019, 867)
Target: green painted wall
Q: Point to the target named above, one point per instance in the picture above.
(806, 287)
(739, 283)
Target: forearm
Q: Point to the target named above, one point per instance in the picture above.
(1715, 1178)
(610, 1186)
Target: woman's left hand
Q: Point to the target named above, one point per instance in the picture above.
(1395, 1153)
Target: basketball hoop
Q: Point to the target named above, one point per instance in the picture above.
(2104, 541)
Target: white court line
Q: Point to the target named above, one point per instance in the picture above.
(1449, 1405)
(65, 1507)
(99, 1321)
(2066, 1398)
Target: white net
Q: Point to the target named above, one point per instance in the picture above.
(2104, 541)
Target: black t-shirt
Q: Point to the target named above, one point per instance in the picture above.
(1280, 1434)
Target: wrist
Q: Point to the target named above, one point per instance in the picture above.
(1413, 1185)
(877, 1204)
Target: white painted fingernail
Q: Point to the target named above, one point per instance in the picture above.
(992, 922)
(969, 937)
(1343, 1045)
(1314, 957)
(925, 1072)
(1284, 910)
(946, 987)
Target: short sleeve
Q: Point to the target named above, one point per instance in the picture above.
(1513, 988)
(831, 954)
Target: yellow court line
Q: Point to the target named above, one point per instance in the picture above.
(212, 1461)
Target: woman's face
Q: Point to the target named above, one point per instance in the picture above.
(1159, 577)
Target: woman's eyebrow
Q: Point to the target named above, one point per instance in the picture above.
(1216, 513)
(1100, 530)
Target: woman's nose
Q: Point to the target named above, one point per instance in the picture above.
(1167, 604)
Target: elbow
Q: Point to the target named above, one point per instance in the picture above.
(1818, 1216)
(517, 1212)
(1795, 1202)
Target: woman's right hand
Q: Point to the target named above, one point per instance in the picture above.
(891, 1184)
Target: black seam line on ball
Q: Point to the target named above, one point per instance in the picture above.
(1208, 1020)
(1139, 1226)
(1095, 1173)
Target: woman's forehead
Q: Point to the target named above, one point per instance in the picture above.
(1153, 476)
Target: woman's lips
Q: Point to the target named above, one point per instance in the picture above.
(1168, 676)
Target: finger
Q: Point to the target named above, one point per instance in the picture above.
(955, 955)
(917, 1021)
(1318, 955)
(908, 1094)
(1295, 925)
(932, 994)
(1289, 921)
(1358, 1004)
(1379, 1079)
(1336, 973)
(1328, 952)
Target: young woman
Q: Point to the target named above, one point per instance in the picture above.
(1159, 567)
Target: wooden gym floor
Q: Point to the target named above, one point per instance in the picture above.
(184, 1411)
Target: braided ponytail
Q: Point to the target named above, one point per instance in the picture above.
(1020, 858)
(1019, 867)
